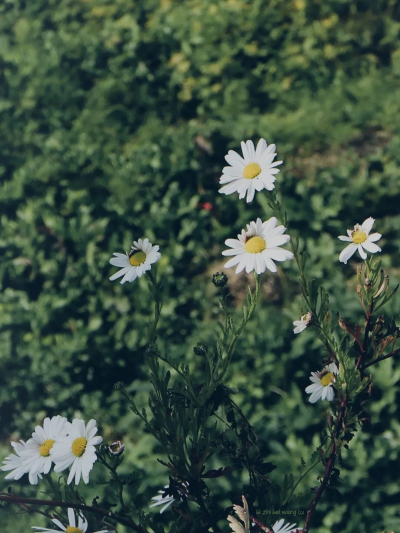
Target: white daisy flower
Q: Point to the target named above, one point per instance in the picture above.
(74, 526)
(36, 453)
(15, 464)
(360, 240)
(300, 325)
(254, 171)
(322, 386)
(280, 527)
(77, 450)
(164, 498)
(258, 247)
(135, 263)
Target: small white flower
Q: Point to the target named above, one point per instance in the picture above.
(76, 450)
(254, 171)
(300, 325)
(15, 464)
(360, 240)
(36, 454)
(74, 526)
(258, 247)
(164, 498)
(321, 388)
(135, 263)
(280, 527)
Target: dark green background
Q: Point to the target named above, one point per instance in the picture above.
(114, 120)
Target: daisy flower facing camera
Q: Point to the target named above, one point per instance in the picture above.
(77, 450)
(135, 263)
(258, 247)
(361, 239)
(253, 172)
(74, 526)
(322, 386)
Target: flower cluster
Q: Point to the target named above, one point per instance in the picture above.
(58, 442)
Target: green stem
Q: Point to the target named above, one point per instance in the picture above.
(302, 476)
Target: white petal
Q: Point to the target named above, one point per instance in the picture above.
(367, 225)
(245, 152)
(361, 252)
(279, 240)
(250, 192)
(374, 237)
(233, 172)
(371, 247)
(120, 273)
(347, 253)
(231, 187)
(270, 264)
(251, 151)
(234, 159)
(315, 396)
(227, 179)
(330, 394)
(128, 274)
(261, 146)
(233, 262)
(344, 238)
(279, 254)
(71, 517)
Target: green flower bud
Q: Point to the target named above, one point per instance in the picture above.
(200, 349)
(220, 279)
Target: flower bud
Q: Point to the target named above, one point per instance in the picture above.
(200, 349)
(116, 448)
(220, 279)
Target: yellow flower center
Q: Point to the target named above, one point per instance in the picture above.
(359, 237)
(251, 171)
(255, 245)
(137, 259)
(71, 529)
(79, 446)
(327, 379)
(45, 447)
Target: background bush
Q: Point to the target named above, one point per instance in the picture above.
(114, 120)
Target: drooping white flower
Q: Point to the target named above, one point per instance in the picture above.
(164, 498)
(258, 247)
(300, 325)
(322, 386)
(74, 526)
(16, 466)
(361, 240)
(135, 263)
(280, 527)
(254, 171)
(243, 515)
(36, 452)
(77, 450)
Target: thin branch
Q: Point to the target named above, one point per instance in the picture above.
(328, 470)
(382, 358)
(95, 510)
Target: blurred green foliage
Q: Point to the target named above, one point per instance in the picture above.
(115, 116)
